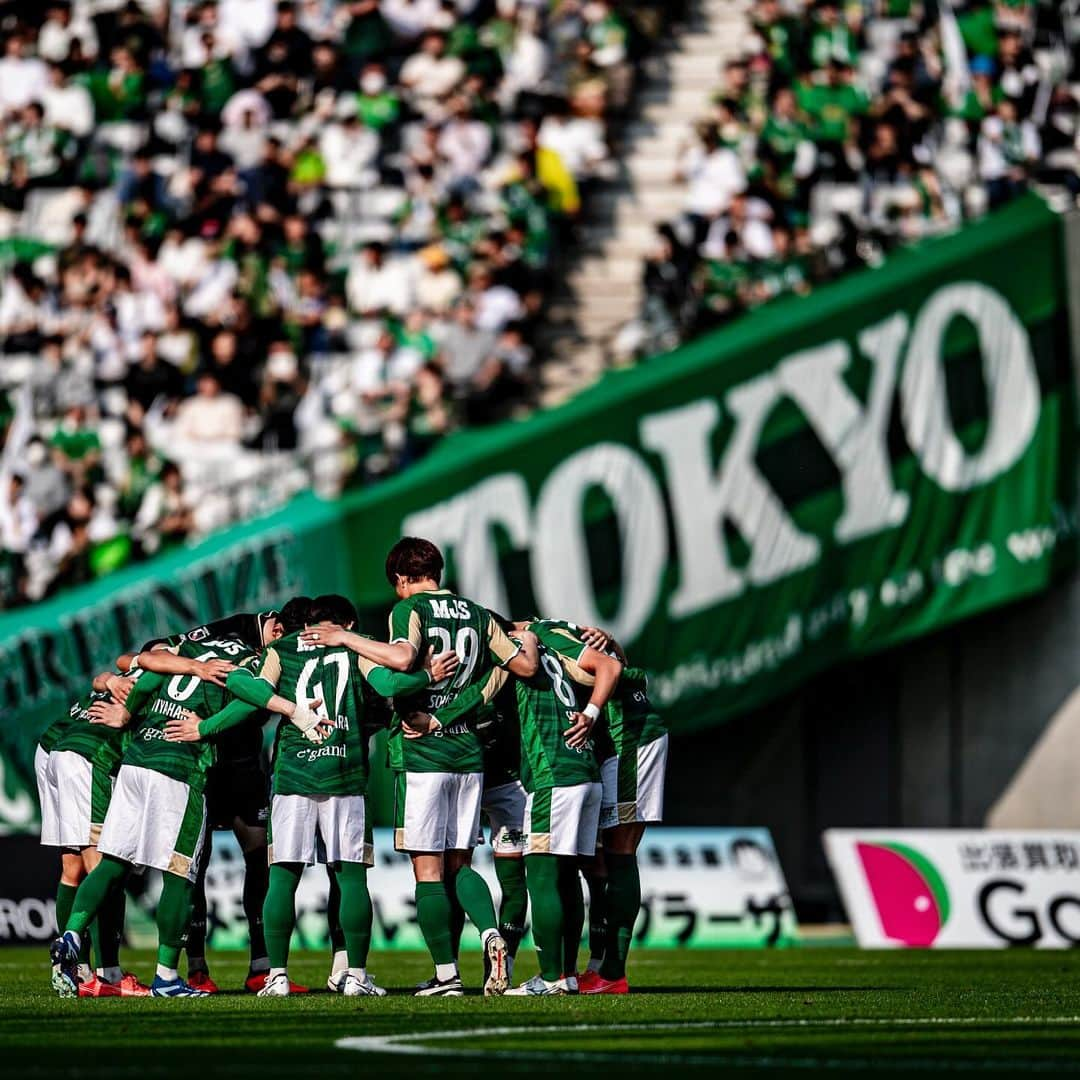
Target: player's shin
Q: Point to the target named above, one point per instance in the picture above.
(256, 882)
(195, 942)
(433, 915)
(597, 883)
(542, 876)
(624, 903)
(96, 887)
(173, 916)
(573, 908)
(279, 912)
(475, 897)
(356, 913)
(108, 929)
(514, 905)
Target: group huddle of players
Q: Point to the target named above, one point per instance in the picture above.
(541, 725)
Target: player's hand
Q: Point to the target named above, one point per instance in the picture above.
(185, 729)
(316, 728)
(109, 713)
(442, 666)
(576, 736)
(595, 638)
(325, 635)
(119, 687)
(215, 671)
(418, 724)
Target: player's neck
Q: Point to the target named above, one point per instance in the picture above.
(423, 585)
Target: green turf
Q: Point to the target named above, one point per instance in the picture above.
(745, 1013)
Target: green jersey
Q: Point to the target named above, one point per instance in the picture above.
(157, 699)
(100, 744)
(540, 709)
(445, 621)
(304, 672)
(629, 719)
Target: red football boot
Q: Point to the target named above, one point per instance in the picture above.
(257, 980)
(131, 987)
(95, 987)
(599, 985)
(200, 980)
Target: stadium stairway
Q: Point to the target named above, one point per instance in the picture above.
(603, 285)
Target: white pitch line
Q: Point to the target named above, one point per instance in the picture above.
(414, 1042)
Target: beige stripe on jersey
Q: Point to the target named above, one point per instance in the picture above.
(499, 644)
(270, 671)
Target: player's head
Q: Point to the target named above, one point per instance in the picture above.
(268, 626)
(332, 608)
(294, 614)
(413, 561)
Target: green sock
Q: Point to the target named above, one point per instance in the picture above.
(333, 914)
(573, 906)
(173, 915)
(624, 903)
(356, 913)
(457, 917)
(515, 901)
(108, 928)
(65, 898)
(96, 886)
(279, 911)
(597, 915)
(475, 897)
(542, 875)
(433, 915)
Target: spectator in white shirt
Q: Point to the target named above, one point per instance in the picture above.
(465, 145)
(210, 416)
(410, 18)
(430, 75)
(376, 285)
(496, 304)
(714, 175)
(68, 104)
(350, 151)
(22, 78)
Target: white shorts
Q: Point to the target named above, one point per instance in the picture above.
(84, 792)
(47, 798)
(563, 820)
(340, 820)
(154, 820)
(436, 811)
(634, 785)
(505, 808)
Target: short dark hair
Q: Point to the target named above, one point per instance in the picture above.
(294, 614)
(332, 608)
(414, 559)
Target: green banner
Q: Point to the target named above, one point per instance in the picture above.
(829, 476)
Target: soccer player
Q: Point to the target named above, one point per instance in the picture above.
(323, 790)
(157, 813)
(237, 793)
(438, 783)
(632, 773)
(555, 710)
(75, 764)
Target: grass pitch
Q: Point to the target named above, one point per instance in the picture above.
(746, 1013)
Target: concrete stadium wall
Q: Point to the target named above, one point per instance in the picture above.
(928, 735)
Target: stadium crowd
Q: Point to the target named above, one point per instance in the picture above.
(845, 129)
(251, 246)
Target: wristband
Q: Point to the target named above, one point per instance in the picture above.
(591, 711)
